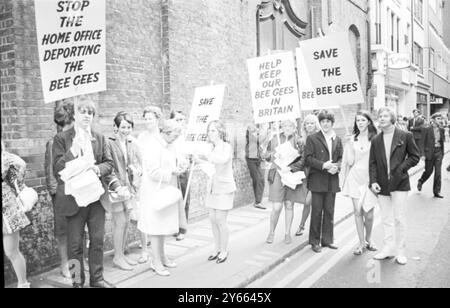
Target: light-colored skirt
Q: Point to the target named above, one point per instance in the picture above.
(223, 202)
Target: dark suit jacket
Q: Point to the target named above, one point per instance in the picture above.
(62, 154)
(316, 154)
(404, 156)
(428, 141)
(416, 129)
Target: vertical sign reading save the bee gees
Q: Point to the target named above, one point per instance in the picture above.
(71, 44)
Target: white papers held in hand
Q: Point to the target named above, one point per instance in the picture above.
(290, 179)
(81, 181)
(285, 155)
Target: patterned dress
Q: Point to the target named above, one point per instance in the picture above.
(13, 215)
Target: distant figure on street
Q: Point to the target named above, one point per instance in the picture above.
(415, 125)
(432, 152)
(355, 178)
(323, 153)
(402, 123)
(393, 152)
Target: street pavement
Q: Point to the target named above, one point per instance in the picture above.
(428, 249)
(253, 263)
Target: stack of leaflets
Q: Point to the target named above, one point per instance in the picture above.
(81, 181)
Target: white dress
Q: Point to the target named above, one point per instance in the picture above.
(356, 157)
(158, 163)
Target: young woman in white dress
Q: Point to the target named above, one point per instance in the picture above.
(355, 177)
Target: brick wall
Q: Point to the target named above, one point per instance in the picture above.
(134, 79)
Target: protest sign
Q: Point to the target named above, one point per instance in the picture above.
(327, 75)
(274, 88)
(71, 45)
(205, 109)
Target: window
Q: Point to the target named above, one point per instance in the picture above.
(418, 57)
(392, 31)
(432, 62)
(398, 35)
(355, 43)
(418, 10)
(278, 28)
(378, 22)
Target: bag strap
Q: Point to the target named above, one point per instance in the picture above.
(109, 185)
(16, 186)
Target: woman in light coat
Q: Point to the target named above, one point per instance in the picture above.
(159, 170)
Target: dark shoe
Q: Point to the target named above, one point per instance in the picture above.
(331, 246)
(222, 260)
(180, 237)
(102, 285)
(213, 257)
(438, 196)
(77, 286)
(300, 231)
(316, 248)
(419, 186)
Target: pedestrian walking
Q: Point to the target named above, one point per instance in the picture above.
(121, 186)
(152, 116)
(355, 178)
(323, 153)
(402, 123)
(159, 197)
(256, 139)
(82, 141)
(393, 152)
(310, 126)
(13, 214)
(221, 188)
(432, 152)
(184, 161)
(279, 194)
(63, 118)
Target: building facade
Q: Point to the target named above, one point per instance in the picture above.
(158, 52)
(418, 34)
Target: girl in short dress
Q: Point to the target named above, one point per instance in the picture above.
(355, 177)
(13, 215)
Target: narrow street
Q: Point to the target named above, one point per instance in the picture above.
(428, 248)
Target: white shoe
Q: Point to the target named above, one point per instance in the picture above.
(159, 272)
(170, 264)
(402, 260)
(383, 256)
(24, 286)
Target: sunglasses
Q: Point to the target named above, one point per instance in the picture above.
(85, 111)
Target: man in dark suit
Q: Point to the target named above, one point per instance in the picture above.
(323, 152)
(393, 152)
(78, 141)
(415, 126)
(432, 152)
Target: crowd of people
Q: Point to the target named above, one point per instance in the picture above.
(145, 181)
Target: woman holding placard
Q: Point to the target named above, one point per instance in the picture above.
(355, 179)
(221, 188)
(310, 126)
(280, 194)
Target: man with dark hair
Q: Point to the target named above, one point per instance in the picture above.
(432, 152)
(63, 118)
(323, 152)
(415, 125)
(82, 141)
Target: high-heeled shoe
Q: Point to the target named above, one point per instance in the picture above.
(222, 260)
(300, 231)
(159, 272)
(122, 264)
(213, 257)
(170, 264)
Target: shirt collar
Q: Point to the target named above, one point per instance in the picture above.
(80, 131)
(331, 136)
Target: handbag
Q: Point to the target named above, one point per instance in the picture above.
(27, 197)
(114, 197)
(165, 196)
(368, 199)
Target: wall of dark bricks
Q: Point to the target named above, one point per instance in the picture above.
(158, 52)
